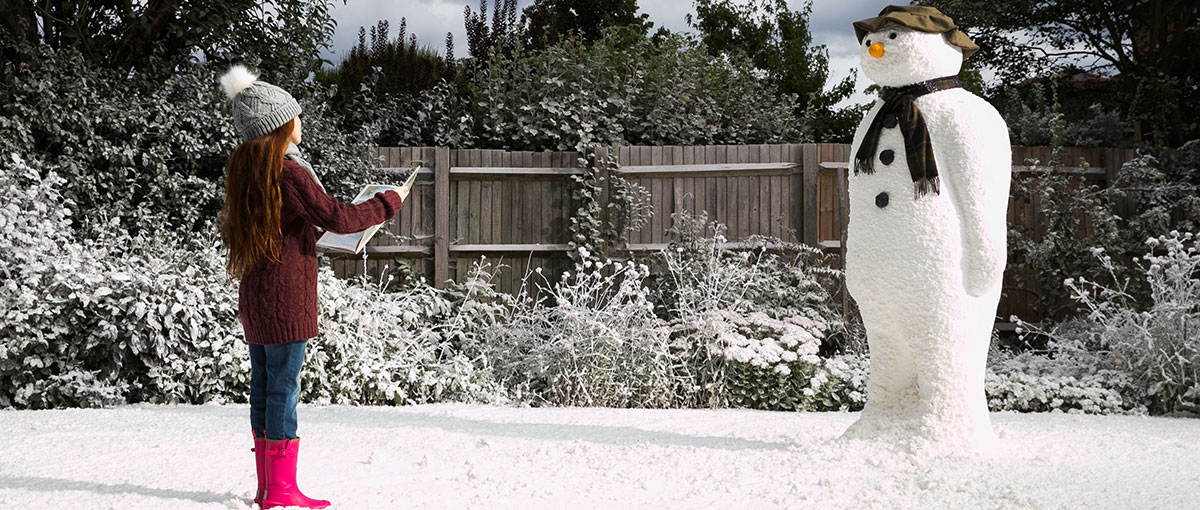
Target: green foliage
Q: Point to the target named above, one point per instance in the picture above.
(628, 207)
(1033, 117)
(386, 67)
(146, 153)
(778, 41)
(504, 34)
(551, 21)
(587, 227)
(571, 96)
(1155, 192)
(1068, 204)
(1148, 46)
(156, 39)
(1165, 186)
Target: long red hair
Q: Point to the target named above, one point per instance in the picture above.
(250, 216)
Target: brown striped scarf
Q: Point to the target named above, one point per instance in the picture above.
(899, 108)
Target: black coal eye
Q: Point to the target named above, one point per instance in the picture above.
(868, 42)
(892, 35)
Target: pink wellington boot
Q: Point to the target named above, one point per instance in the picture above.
(260, 465)
(281, 477)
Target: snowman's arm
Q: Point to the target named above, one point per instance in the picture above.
(977, 173)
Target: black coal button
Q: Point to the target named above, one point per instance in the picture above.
(881, 200)
(889, 121)
(887, 156)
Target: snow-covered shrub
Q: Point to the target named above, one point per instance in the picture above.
(1155, 192)
(589, 339)
(153, 319)
(1164, 186)
(750, 322)
(1056, 380)
(845, 387)
(85, 325)
(394, 348)
(36, 237)
(148, 151)
(1059, 380)
(1156, 342)
(764, 363)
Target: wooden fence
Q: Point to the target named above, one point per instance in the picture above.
(515, 207)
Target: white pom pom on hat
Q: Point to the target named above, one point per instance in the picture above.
(257, 107)
(237, 79)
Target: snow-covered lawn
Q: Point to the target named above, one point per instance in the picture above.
(460, 456)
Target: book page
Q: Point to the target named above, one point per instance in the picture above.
(340, 242)
(368, 192)
(355, 242)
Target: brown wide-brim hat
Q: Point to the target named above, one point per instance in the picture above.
(921, 18)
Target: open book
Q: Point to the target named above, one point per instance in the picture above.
(354, 243)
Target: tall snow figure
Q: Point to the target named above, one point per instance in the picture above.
(925, 247)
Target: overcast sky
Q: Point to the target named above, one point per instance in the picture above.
(431, 19)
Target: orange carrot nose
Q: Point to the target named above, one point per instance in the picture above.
(875, 50)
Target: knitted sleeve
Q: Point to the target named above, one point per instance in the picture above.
(324, 211)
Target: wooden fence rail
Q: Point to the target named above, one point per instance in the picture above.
(516, 206)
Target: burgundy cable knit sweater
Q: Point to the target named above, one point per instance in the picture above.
(277, 302)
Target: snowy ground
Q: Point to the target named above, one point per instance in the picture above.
(458, 456)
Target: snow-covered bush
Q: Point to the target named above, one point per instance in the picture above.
(395, 348)
(147, 151)
(589, 339)
(1154, 193)
(86, 327)
(764, 363)
(1055, 380)
(153, 319)
(846, 383)
(750, 322)
(1156, 342)
(1059, 380)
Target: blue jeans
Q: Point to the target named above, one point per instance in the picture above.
(275, 388)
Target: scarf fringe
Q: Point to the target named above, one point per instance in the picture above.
(864, 166)
(922, 187)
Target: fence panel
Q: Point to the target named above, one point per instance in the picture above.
(515, 207)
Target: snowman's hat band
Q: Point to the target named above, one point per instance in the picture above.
(920, 18)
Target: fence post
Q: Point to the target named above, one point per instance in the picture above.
(811, 180)
(441, 191)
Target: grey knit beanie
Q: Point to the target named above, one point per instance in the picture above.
(258, 107)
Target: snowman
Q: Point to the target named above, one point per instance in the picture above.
(925, 245)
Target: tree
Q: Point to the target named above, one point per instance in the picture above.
(778, 41)
(503, 34)
(154, 37)
(1148, 46)
(549, 21)
(400, 66)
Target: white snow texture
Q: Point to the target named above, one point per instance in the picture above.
(496, 458)
(926, 271)
(236, 80)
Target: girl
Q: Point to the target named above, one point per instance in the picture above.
(273, 204)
